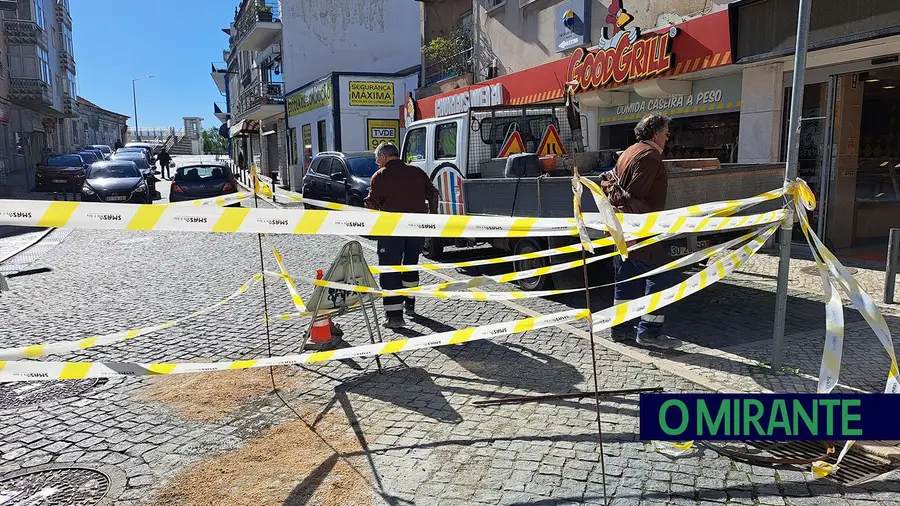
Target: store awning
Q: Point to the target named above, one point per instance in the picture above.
(244, 128)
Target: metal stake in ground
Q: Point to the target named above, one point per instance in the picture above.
(587, 301)
(790, 173)
(571, 395)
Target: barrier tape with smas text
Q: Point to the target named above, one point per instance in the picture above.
(109, 216)
(12, 371)
(452, 290)
(572, 248)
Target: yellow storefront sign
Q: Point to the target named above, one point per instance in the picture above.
(382, 130)
(315, 96)
(371, 94)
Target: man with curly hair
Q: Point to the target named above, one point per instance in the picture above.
(638, 185)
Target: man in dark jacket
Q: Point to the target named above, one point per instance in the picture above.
(164, 160)
(399, 188)
(638, 185)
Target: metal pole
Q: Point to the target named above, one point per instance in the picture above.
(790, 173)
(137, 134)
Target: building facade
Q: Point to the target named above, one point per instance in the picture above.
(42, 112)
(346, 79)
(252, 81)
(97, 125)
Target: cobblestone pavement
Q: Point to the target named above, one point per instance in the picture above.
(420, 438)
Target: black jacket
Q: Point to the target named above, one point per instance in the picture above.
(164, 158)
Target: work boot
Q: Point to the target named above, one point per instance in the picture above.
(661, 341)
(394, 322)
(622, 333)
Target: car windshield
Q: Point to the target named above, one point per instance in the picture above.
(117, 171)
(200, 173)
(104, 149)
(363, 167)
(65, 161)
(88, 157)
(130, 150)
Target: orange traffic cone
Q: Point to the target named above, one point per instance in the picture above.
(324, 333)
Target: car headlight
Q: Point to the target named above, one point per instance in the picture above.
(141, 188)
(87, 190)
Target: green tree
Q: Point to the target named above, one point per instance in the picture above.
(213, 143)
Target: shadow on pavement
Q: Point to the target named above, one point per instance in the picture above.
(12, 231)
(303, 492)
(411, 389)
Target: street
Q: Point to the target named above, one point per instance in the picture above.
(343, 433)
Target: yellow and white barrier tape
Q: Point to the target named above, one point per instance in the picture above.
(288, 280)
(583, 235)
(224, 200)
(40, 350)
(48, 371)
(835, 275)
(606, 212)
(259, 186)
(334, 206)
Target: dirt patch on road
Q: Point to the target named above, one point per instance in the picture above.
(289, 464)
(208, 397)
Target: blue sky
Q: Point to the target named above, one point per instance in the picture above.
(117, 41)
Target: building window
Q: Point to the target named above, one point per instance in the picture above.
(70, 76)
(67, 35)
(45, 65)
(321, 130)
(39, 13)
(495, 3)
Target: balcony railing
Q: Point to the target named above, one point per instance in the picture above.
(66, 60)
(24, 32)
(63, 14)
(258, 94)
(454, 65)
(30, 90)
(252, 13)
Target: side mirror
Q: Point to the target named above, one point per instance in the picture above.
(338, 176)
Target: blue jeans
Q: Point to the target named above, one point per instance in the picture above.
(399, 251)
(651, 324)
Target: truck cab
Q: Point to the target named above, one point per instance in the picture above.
(438, 146)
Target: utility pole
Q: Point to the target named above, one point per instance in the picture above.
(137, 133)
(790, 174)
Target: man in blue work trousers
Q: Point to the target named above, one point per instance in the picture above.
(399, 188)
(638, 185)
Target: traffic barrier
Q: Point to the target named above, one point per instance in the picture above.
(108, 216)
(288, 280)
(48, 371)
(40, 350)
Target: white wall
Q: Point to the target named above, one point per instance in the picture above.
(322, 36)
(354, 135)
(762, 95)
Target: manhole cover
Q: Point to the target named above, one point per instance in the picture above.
(17, 395)
(64, 486)
(812, 270)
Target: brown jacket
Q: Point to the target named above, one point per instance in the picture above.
(401, 188)
(638, 185)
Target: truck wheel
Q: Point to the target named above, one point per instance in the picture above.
(433, 248)
(530, 245)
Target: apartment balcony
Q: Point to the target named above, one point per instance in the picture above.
(24, 32)
(260, 101)
(32, 93)
(258, 25)
(219, 76)
(63, 15)
(66, 60)
(219, 109)
(69, 107)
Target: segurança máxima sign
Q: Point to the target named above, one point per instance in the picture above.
(371, 94)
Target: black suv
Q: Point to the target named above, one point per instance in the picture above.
(340, 177)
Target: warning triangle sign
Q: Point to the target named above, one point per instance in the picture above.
(551, 144)
(512, 145)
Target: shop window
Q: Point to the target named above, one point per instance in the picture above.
(414, 147)
(445, 141)
(292, 140)
(320, 129)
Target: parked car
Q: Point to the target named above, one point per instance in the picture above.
(202, 181)
(142, 151)
(340, 177)
(106, 150)
(90, 156)
(96, 151)
(151, 149)
(60, 171)
(116, 181)
(140, 160)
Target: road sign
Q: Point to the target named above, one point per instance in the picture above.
(512, 145)
(551, 144)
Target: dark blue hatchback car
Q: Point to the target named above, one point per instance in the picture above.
(340, 177)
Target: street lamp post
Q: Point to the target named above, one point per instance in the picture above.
(137, 133)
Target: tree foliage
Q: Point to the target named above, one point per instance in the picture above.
(213, 143)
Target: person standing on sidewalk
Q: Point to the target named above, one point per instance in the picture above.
(164, 160)
(399, 188)
(638, 185)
